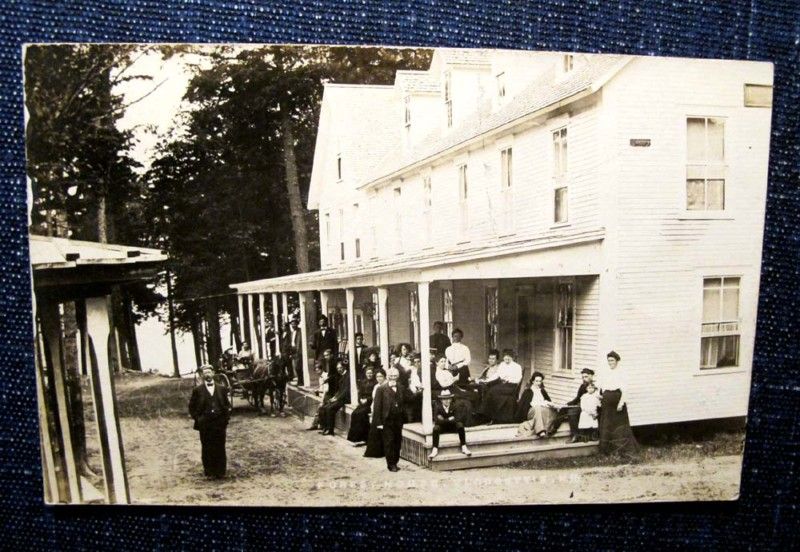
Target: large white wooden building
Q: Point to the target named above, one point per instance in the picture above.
(561, 205)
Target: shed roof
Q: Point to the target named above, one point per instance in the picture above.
(59, 253)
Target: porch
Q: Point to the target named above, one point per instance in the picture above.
(544, 305)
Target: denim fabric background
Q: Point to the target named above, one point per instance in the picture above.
(765, 516)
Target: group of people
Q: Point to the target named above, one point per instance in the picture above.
(389, 397)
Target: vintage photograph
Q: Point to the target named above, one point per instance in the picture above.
(294, 275)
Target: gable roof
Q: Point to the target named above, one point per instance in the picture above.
(540, 94)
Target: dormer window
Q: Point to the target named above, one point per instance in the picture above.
(568, 63)
(339, 167)
(501, 85)
(407, 116)
(448, 99)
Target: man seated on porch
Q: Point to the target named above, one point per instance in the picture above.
(328, 364)
(447, 420)
(439, 340)
(499, 397)
(327, 412)
(571, 411)
(459, 358)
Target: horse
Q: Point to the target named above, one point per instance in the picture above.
(269, 377)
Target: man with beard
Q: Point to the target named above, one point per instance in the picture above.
(389, 416)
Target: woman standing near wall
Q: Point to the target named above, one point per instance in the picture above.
(615, 428)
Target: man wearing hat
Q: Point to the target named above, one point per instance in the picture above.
(445, 421)
(210, 408)
(571, 412)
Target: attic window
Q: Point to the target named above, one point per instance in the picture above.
(501, 85)
(448, 100)
(407, 116)
(568, 63)
(757, 95)
(339, 166)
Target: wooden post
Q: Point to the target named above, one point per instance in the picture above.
(285, 300)
(240, 297)
(351, 345)
(383, 324)
(423, 289)
(251, 315)
(70, 489)
(276, 323)
(304, 338)
(262, 320)
(323, 307)
(105, 402)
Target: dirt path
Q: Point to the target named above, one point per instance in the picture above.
(273, 462)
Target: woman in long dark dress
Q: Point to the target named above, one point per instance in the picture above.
(616, 436)
(375, 436)
(359, 418)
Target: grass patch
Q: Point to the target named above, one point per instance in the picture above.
(147, 396)
(671, 448)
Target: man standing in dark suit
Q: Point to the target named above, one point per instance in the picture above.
(210, 408)
(361, 355)
(572, 411)
(439, 340)
(388, 415)
(294, 351)
(324, 338)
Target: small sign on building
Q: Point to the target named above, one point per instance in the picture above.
(640, 142)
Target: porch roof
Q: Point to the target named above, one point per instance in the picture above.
(59, 253)
(413, 268)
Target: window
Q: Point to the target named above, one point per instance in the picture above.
(356, 225)
(373, 228)
(341, 234)
(407, 115)
(507, 200)
(427, 205)
(413, 305)
(447, 310)
(565, 319)
(448, 99)
(561, 190)
(339, 166)
(328, 237)
(398, 220)
(568, 63)
(376, 318)
(705, 164)
(463, 195)
(492, 314)
(719, 343)
(501, 85)
(757, 95)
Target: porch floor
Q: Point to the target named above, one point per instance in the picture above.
(491, 445)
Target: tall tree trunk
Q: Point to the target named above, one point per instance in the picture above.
(235, 323)
(102, 219)
(130, 331)
(197, 341)
(213, 341)
(120, 333)
(293, 191)
(171, 313)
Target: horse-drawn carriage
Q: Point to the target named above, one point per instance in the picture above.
(252, 380)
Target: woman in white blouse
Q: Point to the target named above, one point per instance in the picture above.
(615, 428)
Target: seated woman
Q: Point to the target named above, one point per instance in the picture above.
(500, 389)
(373, 361)
(541, 410)
(462, 398)
(375, 437)
(358, 433)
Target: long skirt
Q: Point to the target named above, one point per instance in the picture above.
(359, 424)
(615, 428)
(539, 419)
(499, 402)
(374, 443)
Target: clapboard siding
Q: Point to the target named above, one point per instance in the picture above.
(663, 254)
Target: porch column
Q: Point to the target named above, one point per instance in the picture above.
(304, 338)
(351, 344)
(323, 306)
(251, 315)
(276, 323)
(262, 320)
(383, 325)
(68, 481)
(423, 289)
(285, 299)
(105, 405)
(241, 316)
